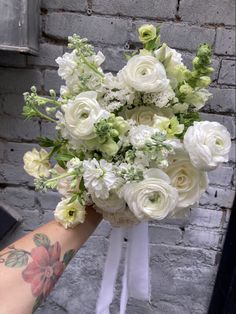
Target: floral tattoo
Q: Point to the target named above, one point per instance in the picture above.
(45, 268)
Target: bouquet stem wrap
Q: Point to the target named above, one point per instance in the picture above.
(135, 280)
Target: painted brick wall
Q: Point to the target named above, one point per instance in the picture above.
(184, 253)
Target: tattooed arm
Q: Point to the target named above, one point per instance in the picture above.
(30, 267)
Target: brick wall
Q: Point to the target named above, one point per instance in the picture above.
(184, 253)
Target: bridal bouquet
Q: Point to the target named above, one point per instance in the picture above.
(132, 145)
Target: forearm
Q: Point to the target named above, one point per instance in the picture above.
(30, 267)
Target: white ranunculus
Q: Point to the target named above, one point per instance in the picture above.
(152, 198)
(81, 114)
(112, 204)
(69, 214)
(142, 115)
(208, 144)
(190, 182)
(36, 163)
(144, 74)
(99, 177)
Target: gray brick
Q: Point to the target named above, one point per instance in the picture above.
(96, 28)
(14, 174)
(165, 235)
(225, 41)
(14, 152)
(203, 217)
(18, 129)
(202, 238)
(183, 36)
(48, 129)
(12, 104)
(70, 5)
(2, 150)
(18, 198)
(216, 197)
(49, 200)
(223, 100)
(10, 58)
(227, 72)
(115, 59)
(148, 8)
(205, 12)
(103, 229)
(52, 81)
(221, 176)
(18, 81)
(47, 55)
(227, 121)
(232, 154)
(31, 219)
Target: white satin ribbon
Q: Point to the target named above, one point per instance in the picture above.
(136, 270)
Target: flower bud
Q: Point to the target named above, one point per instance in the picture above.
(147, 33)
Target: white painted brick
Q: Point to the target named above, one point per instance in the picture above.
(221, 176)
(223, 100)
(148, 8)
(12, 104)
(216, 197)
(70, 5)
(202, 238)
(227, 72)
(208, 12)
(203, 217)
(232, 154)
(96, 28)
(164, 235)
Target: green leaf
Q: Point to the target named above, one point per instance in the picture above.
(41, 239)
(17, 258)
(37, 303)
(68, 256)
(45, 141)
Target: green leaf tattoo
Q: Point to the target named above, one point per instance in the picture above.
(41, 240)
(68, 256)
(17, 258)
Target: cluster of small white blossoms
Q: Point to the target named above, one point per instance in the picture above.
(131, 145)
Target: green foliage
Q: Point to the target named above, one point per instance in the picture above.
(187, 119)
(17, 258)
(41, 239)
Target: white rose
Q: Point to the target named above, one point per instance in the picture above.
(36, 163)
(145, 74)
(112, 204)
(152, 198)
(142, 115)
(81, 114)
(189, 181)
(69, 214)
(208, 144)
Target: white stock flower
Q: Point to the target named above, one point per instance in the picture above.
(68, 67)
(69, 214)
(98, 59)
(99, 177)
(112, 204)
(144, 74)
(152, 198)
(208, 144)
(160, 99)
(36, 163)
(190, 182)
(174, 57)
(81, 114)
(140, 134)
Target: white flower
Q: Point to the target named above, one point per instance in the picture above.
(174, 58)
(142, 115)
(74, 164)
(208, 144)
(140, 134)
(112, 204)
(121, 218)
(152, 198)
(99, 177)
(160, 99)
(190, 182)
(36, 163)
(69, 214)
(98, 59)
(144, 74)
(81, 114)
(68, 67)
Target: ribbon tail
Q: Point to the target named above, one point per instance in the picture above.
(110, 271)
(138, 262)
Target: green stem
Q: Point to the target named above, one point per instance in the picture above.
(51, 101)
(62, 176)
(44, 116)
(92, 67)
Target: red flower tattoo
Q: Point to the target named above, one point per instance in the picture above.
(45, 269)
